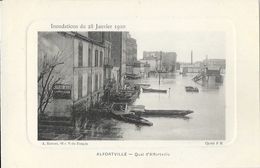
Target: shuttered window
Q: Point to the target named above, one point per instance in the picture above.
(89, 84)
(89, 58)
(96, 58)
(80, 86)
(96, 82)
(101, 59)
(80, 54)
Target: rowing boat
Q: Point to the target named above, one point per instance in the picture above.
(120, 111)
(154, 90)
(167, 112)
(191, 89)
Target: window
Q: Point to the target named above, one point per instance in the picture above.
(101, 59)
(96, 82)
(80, 84)
(80, 54)
(96, 58)
(100, 81)
(89, 84)
(89, 58)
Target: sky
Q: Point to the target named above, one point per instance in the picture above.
(202, 44)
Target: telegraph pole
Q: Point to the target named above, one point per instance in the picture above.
(160, 67)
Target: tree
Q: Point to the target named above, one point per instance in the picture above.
(47, 80)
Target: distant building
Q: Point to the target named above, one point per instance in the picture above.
(217, 63)
(191, 68)
(163, 61)
(151, 54)
(168, 62)
(153, 63)
(139, 68)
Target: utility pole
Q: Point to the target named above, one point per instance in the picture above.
(160, 67)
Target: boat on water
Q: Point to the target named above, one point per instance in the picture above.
(133, 76)
(143, 85)
(132, 118)
(125, 96)
(121, 112)
(146, 90)
(191, 89)
(141, 111)
(166, 112)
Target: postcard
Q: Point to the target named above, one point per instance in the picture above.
(94, 84)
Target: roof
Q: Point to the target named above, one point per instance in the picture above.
(82, 37)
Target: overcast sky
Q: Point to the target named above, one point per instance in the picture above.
(202, 44)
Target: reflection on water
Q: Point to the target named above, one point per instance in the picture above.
(207, 122)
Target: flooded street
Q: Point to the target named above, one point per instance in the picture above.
(206, 123)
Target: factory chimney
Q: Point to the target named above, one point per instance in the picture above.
(191, 57)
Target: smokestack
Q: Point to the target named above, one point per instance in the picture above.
(191, 57)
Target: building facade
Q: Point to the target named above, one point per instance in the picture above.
(105, 38)
(160, 61)
(118, 56)
(131, 54)
(80, 70)
(168, 61)
(139, 68)
(215, 63)
(153, 63)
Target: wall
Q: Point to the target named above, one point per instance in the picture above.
(169, 61)
(118, 53)
(89, 93)
(49, 45)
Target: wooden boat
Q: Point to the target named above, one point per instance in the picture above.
(191, 89)
(154, 90)
(133, 76)
(132, 118)
(140, 110)
(136, 108)
(167, 112)
(142, 85)
(121, 112)
(125, 96)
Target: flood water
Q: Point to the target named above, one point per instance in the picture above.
(206, 123)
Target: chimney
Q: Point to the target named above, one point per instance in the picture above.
(191, 57)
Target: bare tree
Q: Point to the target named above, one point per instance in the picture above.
(47, 81)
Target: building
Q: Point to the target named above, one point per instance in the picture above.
(168, 61)
(131, 54)
(139, 68)
(118, 56)
(153, 63)
(105, 38)
(191, 68)
(151, 54)
(215, 63)
(163, 61)
(77, 78)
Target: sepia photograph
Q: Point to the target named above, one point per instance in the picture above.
(131, 85)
